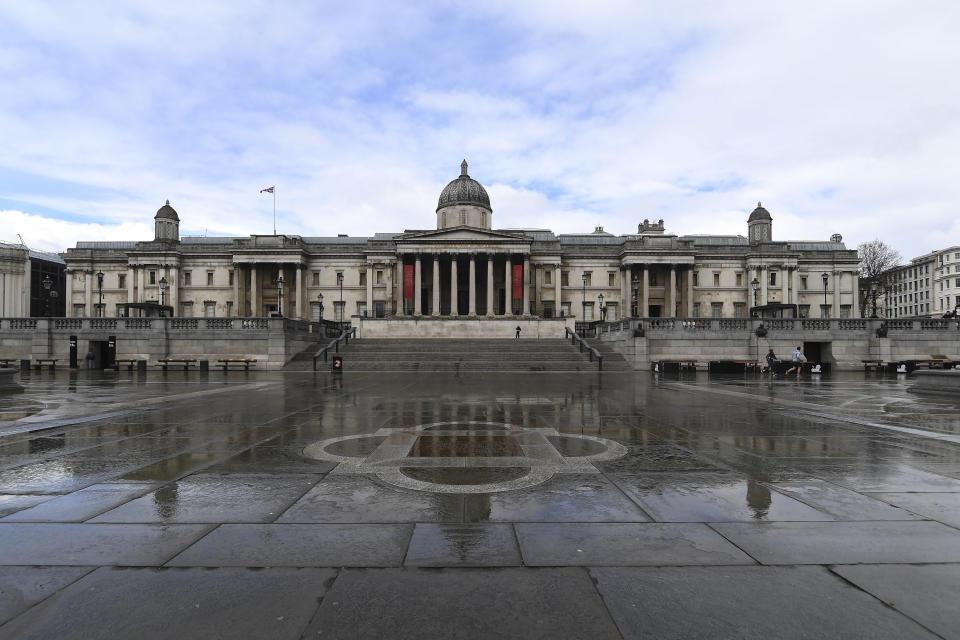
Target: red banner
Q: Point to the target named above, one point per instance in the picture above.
(517, 281)
(408, 281)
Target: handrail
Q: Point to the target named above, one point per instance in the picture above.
(575, 337)
(335, 345)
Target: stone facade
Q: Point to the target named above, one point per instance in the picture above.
(466, 268)
(928, 287)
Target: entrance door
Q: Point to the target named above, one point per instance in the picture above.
(654, 311)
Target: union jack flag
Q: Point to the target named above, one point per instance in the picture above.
(267, 190)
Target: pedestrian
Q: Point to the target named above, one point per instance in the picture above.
(518, 331)
(771, 362)
(89, 359)
(797, 359)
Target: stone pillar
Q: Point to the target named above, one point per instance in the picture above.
(489, 284)
(508, 287)
(644, 309)
(836, 294)
(795, 276)
(624, 292)
(301, 294)
(174, 292)
(68, 306)
(454, 293)
(673, 292)
(131, 274)
(558, 303)
(526, 286)
(88, 292)
(142, 284)
(398, 284)
(472, 305)
(237, 311)
(855, 312)
(254, 293)
(370, 273)
(416, 287)
(764, 282)
(785, 285)
(435, 307)
(689, 311)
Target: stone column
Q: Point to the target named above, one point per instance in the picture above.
(689, 311)
(556, 291)
(416, 287)
(764, 283)
(785, 285)
(142, 284)
(472, 305)
(68, 307)
(490, 284)
(644, 309)
(131, 274)
(855, 311)
(508, 287)
(435, 310)
(673, 292)
(370, 274)
(175, 291)
(398, 284)
(237, 311)
(88, 292)
(301, 293)
(526, 286)
(795, 298)
(254, 293)
(454, 293)
(836, 294)
(624, 292)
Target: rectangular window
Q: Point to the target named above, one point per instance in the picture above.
(588, 278)
(716, 309)
(547, 309)
(611, 279)
(773, 278)
(230, 309)
(611, 312)
(363, 278)
(187, 276)
(79, 310)
(739, 279)
(209, 309)
(716, 279)
(315, 311)
(380, 309)
(338, 311)
(696, 279)
(696, 309)
(379, 276)
(548, 276)
(653, 279)
(565, 278)
(187, 310)
(209, 278)
(956, 282)
(316, 278)
(230, 277)
(803, 282)
(824, 311)
(362, 309)
(739, 310)
(153, 277)
(564, 309)
(122, 281)
(845, 310)
(588, 312)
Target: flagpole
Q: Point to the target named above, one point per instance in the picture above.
(274, 211)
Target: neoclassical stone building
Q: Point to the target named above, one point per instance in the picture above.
(466, 268)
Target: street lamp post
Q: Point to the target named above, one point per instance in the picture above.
(583, 312)
(340, 282)
(873, 296)
(47, 282)
(100, 293)
(320, 300)
(280, 294)
(163, 293)
(603, 308)
(826, 279)
(635, 301)
(755, 285)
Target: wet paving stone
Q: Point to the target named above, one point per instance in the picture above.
(179, 603)
(878, 476)
(750, 603)
(564, 498)
(844, 542)
(23, 587)
(657, 458)
(840, 502)
(509, 603)
(61, 475)
(349, 498)
(270, 459)
(299, 545)
(463, 545)
(943, 507)
(94, 544)
(621, 544)
(926, 593)
(13, 503)
(214, 499)
(81, 505)
(172, 468)
(711, 497)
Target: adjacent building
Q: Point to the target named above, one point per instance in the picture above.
(31, 282)
(928, 287)
(466, 268)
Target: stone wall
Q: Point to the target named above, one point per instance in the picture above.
(496, 327)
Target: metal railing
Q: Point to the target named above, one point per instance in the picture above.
(575, 338)
(335, 345)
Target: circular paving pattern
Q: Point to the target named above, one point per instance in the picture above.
(465, 456)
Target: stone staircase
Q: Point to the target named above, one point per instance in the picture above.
(463, 356)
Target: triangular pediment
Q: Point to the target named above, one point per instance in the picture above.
(459, 234)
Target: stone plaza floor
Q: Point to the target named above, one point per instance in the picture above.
(300, 505)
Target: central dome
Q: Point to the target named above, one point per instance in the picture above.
(464, 190)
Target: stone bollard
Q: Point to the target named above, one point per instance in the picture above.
(204, 365)
(142, 365)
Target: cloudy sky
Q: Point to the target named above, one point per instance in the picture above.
(842, 117)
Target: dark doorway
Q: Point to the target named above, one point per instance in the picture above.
(819, 352)
(99, 355)
(654, 311)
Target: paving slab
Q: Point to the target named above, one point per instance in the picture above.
(508, 603)
(23, 587)
(845, 542)
(876, 476)
(178, 603)
(622, 544)
(94, 544)
(358, 498)
(173, 467)
(61, 475)
(567, 497)
(657, 457)
(299, 545)
(81, 505)
(215, 499)
(13, 503)
(926, 593)
(463, 545)
(747, 603)
(711, 497)
(944, 507)
(840, 502)
(270, 459)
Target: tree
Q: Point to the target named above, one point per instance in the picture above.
(876, 257)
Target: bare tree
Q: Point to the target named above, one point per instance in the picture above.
(875, 258)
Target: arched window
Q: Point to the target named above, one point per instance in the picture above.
(463, 216)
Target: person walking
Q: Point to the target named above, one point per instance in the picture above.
(797, 359)
(518, 331)
(771, 362)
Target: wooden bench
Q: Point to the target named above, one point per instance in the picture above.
(5, 362)
(186, 362)
(130, 362)
(748, 365)
(50, 362)
(226, 363)
(877, 365)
